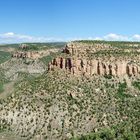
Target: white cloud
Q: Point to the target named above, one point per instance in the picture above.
(114, 37)
(12, 37)
(9, 34)
(136, 37)
(97, 38)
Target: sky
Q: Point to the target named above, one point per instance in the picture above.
(64, 20)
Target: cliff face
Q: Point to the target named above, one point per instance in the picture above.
(97, 67)
(20, 54)
(33, 54)
(78, 63)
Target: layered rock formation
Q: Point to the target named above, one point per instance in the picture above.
(33, 54)
(97, 67)
(81, 49)
(78, 63)
(20, 54)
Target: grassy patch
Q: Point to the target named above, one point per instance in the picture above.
(118, 132)
(136, 84)
(108, 76)
(121, 93)
(49, 58)
(4, 56)
(43, 46)
(1, 88)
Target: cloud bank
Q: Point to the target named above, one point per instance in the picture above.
(117, 37)
(11, 37)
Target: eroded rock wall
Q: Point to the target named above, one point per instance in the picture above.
(95, 66)
(78, 62)
(20, 54)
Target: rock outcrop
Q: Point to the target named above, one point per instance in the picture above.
(20, 54)
(78, 63)
(81, 49)
(33, 54)
(97, 67)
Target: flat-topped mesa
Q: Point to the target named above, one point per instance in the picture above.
(20, 54)
(81, 49)
(95, 67)
(104, 59)
(23, 46)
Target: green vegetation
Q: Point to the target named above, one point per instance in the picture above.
(49, 58)
(118, 44)
(1, 87)
(124, 131)
(64, 91)
(9, 46)
(3, 80)
(36, 45)
(136, 84)
(108, 76)
(116, 53)
(4, 56)
(121, 93)
(43, 46)
(57, 105)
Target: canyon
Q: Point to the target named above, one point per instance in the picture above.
(84, 87)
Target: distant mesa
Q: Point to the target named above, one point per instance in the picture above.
(32, 52)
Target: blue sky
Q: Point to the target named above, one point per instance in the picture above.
(56, 20)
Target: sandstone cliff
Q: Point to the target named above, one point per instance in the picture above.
(33, 54)
(20, 54)
(77, 61)
(97, 67)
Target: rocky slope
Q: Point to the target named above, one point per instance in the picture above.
(13, 67)
(24, 59)
(60, 106)
(81, 93)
